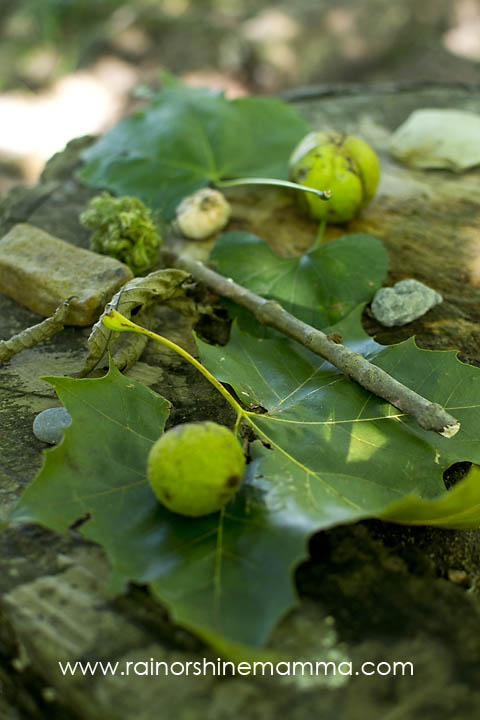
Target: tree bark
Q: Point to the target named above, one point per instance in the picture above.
(372, 592)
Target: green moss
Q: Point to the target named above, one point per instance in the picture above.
(124, 229)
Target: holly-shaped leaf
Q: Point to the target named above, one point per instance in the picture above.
(340, 453)
(319, 287)
(188, 138)
(211, 571)
(328, 453)
(98, 471)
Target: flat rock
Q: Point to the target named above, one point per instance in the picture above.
(433, 138)
(406, 301)
(40, 271)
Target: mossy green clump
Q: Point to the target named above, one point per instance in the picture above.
(123, 228)
(195, 468)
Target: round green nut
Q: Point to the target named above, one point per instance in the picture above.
(195, 468)
(343, 164)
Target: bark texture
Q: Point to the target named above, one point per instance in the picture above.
(371, 592)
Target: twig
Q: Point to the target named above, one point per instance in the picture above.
(430, 416)
(36, 333)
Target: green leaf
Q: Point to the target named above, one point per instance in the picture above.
(99, 468)
(319, 287)
(188, 138)
(339, 453)
(333, 454)
(210, 572)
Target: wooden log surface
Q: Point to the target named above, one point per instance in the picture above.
(371, 592)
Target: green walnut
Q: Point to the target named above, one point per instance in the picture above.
(195, 468)
(343, 164)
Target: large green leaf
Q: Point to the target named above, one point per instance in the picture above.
(339, 453)
(98, 471)
(188, 138)
(333, 454)
(319, 287)
(211, 572)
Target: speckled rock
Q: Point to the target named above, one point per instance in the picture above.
(407, 300)
(48, 425)
(40, 271)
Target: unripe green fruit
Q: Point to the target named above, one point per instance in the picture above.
(344, 164)
(195, 468)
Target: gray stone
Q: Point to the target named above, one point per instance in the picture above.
(407, 300)
(48, 425)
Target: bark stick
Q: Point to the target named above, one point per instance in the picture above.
(35, 334)
(430, 416)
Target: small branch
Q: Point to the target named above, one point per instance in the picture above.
(430, 416)
(35, 334)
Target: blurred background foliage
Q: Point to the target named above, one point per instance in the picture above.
(72, 67)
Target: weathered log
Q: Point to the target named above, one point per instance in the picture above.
(372, 592)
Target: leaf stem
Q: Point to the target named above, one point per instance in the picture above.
(319, 237)
(116, 321)
(323, 194)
